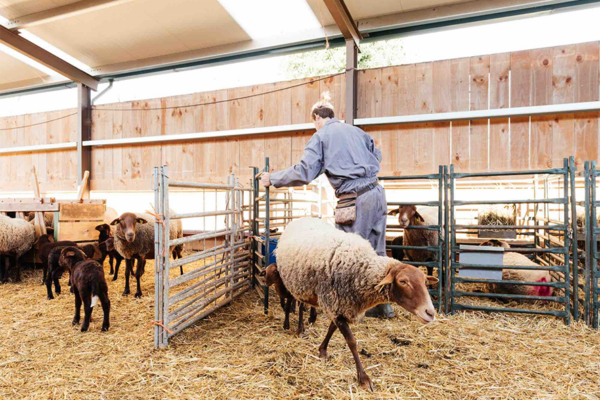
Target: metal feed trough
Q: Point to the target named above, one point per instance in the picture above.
(442, 226)
(551, 249)
(591, 175)
(273, 208)
(221, 271)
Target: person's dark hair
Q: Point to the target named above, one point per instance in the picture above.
(323, 108)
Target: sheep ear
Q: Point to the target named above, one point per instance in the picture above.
(432, 279)
(419, 217)
(70, 254)
(116, 221)
(394, 212)
(141, 221)
(262, 273)
(100, 228)
(389, 279)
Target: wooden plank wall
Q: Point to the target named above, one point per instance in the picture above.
(527, 78)
(558, 75)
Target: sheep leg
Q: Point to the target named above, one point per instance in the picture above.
(4, 268)
(313, 316)
(77, 316)
(323, 347)
(111, 261)
(139, 271)
(18, 268)
(128, 269)
(45, 270)
(105, 301)
(117, 269)
(363, 378)
(87, 308)
(300, 330)
(49, 288)
(56, 275)
(288, 306)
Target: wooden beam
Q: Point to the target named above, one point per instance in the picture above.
(84, 133)
(343, 19)
(39, 217)
(44, 57)
(27, 207)
(58, 13)
(351, 81)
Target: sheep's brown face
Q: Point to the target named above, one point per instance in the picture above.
(406, 214)
(104, 228)
(496, 243)
(407, 288)
(126, 226)
(271, 275)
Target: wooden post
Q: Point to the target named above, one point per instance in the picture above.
(351, 81)
(84, 132)
(40, 223)
(83, 187)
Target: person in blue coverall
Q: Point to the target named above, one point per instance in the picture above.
(348, 157)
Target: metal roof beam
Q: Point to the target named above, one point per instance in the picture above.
(58, 13)
(44, 57)
(343, 19)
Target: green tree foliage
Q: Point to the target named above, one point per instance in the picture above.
(322, 62)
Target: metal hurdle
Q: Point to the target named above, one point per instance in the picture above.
(562, 227)
(221, 270)
(438, 251)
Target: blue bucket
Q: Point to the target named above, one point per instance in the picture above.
(272, 245)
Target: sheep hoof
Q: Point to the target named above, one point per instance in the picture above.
(75, 322)
(138, 295)
(104, 328)
(365, 381)
(84, 328)
(50, 297)
(114, 279)
(323, 354)
(299, 332)
(125, 292)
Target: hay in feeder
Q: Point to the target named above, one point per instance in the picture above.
(497, 215)
(240, 353)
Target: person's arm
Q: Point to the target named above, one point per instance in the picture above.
(309, 167)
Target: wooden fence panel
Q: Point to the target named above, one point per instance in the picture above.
(557, 75)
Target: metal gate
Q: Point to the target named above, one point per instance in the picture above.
(441, 256)
(220, 271)
(592, 287)
(559, 228)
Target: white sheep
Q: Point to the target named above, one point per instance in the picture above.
(16, 238)
(512, 258)
(341, 273)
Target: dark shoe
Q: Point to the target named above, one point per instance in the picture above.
(381, 311)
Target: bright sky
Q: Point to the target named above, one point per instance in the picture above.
(500, 36)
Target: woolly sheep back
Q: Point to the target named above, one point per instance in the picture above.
(341, 269)
(16, 236)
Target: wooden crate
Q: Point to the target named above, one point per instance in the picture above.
(77, 222)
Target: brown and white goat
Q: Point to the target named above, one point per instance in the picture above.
(89, 286)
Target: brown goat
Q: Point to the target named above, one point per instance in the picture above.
(89, 286)
(272, 277)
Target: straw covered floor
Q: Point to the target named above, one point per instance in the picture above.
(240, 353)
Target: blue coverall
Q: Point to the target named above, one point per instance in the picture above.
(349, 158)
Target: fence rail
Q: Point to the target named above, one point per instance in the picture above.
(216, 274)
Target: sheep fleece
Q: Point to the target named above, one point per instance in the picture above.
(144, 237)
(511, 258)
(16, 236)
(342, 269)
